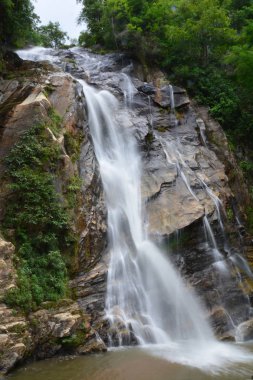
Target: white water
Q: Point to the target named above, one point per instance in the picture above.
(38, 53)
(128, 89)
(144, 291)
(145, 294)
(172, 99)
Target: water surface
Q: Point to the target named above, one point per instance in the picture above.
(126, 364)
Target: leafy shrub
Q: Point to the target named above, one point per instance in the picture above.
(40, 222)
(73, 188)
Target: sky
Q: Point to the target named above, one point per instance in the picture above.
(65, 12)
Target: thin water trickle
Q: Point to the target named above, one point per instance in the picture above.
(151, 121)
(172, 99)
(128, 89)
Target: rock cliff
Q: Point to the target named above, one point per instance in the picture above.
(193, 191)
(28, 94)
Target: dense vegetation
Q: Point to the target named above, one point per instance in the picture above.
(19, 26)
(51, 35)
(206, 45)
(38, 218)
(17, 22)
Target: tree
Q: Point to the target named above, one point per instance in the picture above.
(17, 23)
(91, 14)
(52, 36)
(241, 56)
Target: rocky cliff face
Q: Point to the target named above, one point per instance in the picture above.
(193, 192)
(27, 96)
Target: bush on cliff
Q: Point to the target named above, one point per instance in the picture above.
(36, 214)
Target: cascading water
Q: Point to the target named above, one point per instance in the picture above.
(128, 89)
(144, 293)
(146, 298)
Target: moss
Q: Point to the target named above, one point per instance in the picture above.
(247, 167)
(71, 342)
(73, 144)
(149, 138)
(177, 240)
(249, 213)
(55, 122)
(48, 90)
(34, 323)
(73, 190)
(17, 329)
(230, 214)
(162, 129)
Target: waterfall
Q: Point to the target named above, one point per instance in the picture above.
(144, 293)
(147, 301)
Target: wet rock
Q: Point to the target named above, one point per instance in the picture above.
(227, 338)
(12, 59)
(65, 323)
(219, 321)
(147, 89)
(93, 346)
(244, 331)
(162, 98)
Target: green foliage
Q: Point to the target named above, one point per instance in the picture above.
(73, 341)
(51, 35)
(206, 45)
(73, 189)
(72, 144)
(166, 29)
(55, 120)
(212, 88)
(92, 13)
(249, 212)
(36, 214)
(17, 22)
(230, 214)
(86, 39)
(247, 167)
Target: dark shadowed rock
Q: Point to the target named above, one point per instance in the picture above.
(147, 89)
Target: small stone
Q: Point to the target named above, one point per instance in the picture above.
(3, 339)
(19, 349)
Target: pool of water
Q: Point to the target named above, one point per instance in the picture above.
(133, 364)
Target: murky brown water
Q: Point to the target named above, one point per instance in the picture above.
(128, 364)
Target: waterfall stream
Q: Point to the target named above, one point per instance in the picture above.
(147, 301)
(144, 292)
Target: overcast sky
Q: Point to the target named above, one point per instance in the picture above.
(64, 11)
